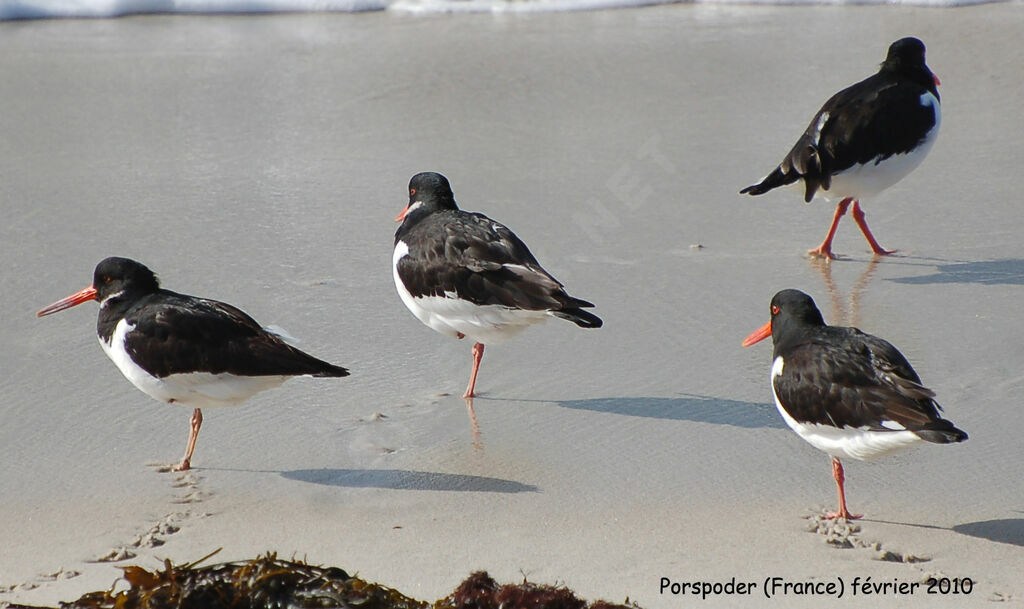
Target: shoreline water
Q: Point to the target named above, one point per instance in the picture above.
(104, 9)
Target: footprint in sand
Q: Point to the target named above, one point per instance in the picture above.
(189, 483)
(844, 534)
(155, 536)
(58, 575)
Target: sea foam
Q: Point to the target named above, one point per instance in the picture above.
(46, 9)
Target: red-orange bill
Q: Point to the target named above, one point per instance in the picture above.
(77, 298)
(758, 335)
(401, 216)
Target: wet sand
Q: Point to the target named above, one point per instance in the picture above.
(260, 160)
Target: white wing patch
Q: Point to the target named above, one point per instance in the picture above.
(281, 333)
(822, 121)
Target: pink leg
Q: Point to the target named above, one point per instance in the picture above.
(825, 249)
(193, 433)
(478, 354)
(837, 473)
(858, 217)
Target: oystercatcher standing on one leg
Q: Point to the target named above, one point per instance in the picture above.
(183, 349)
(864, 139)
(463, 274)
(847, 393)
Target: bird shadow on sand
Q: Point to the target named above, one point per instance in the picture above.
(1005, 530)
(403, 479)
(1008, 271)
(689, 407)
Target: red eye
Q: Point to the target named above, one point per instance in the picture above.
(775, 309)
(412, 191)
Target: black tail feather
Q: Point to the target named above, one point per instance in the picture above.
(941, 432)
(772, 180)
(330, 370)
(581, 318)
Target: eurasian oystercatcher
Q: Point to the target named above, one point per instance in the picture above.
(186, 350)
(848, 393)
(463, 274)
(864, 139)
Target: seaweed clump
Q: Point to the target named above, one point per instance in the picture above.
(480, 591)
(268, 582)
(265, 582)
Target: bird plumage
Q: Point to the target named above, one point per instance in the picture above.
(865, 138)
(466, 275)
(175, 333)
(183, 349)
(866, 123)
(846, 392)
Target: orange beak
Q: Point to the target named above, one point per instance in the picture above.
(936, 77)
(758, 335)
(75, 299)
(401, 215)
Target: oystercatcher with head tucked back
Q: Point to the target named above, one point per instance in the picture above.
(847, 393)
(864, 139)
(183, 349)
(463, 274)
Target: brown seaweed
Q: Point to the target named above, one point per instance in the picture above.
(268, 582)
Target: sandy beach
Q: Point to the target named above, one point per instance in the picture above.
(260, 161)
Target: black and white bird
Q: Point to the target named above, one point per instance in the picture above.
(465, 275)
(186, 350)
(865, 138)
(847, 393)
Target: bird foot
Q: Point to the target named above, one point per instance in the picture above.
(820, 252)
(844, 514)
(164, 467)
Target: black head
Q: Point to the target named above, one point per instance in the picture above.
(793, 308)
(122, 275)
(428, 185)
(428, 192)
(905, 53)
(905, 61)
(119, 277)
(791, 312)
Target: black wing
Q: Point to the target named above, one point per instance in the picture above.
(482, 261)
(868, 121)
(856, 383)
(176, 334)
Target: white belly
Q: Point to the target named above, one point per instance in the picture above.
(852, 442)
(194, 389)
(452, 316)
(870, 179)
